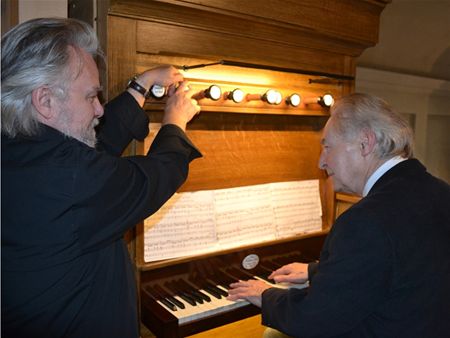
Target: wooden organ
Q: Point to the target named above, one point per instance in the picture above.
(305, 47)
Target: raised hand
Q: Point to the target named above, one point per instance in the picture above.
(180, 107)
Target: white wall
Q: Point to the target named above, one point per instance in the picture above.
(30, 9)
(414, 39)
(425, 102)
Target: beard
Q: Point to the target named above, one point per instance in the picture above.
(87, 135)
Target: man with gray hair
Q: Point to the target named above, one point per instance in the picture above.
(384, 270)
(68, 196)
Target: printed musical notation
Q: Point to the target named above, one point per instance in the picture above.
(192, 223)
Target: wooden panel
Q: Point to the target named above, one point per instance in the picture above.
(346, 19)
(247, 328)
(343, 202)
(346, 26)
(121, 53)
(247, 149)
(166, 39)
(10, 14)
(236, 158)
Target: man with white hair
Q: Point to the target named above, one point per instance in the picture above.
(68, 196)
(384, 269)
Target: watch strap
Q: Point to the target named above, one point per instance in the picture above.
(137, 87)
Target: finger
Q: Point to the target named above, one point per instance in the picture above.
(234, 286)
(196, 106)
(176, 73)
(236, 296)
(182, 86)
(171, 90)
(274, 273)
(238, 292)
(233, 297)
(280, 279)
(237, 284)
(277, 272)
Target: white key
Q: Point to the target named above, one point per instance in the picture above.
(215, 306)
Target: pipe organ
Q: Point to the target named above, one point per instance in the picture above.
(265, 73)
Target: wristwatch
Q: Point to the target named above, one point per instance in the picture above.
(137, 87)
(157, 91)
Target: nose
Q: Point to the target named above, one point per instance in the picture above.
(98, 108)
(322, 162)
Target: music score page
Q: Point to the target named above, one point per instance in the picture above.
(191, 223)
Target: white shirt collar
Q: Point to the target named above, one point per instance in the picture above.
(380, 172)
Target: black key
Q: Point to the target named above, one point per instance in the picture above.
(212, 291)
(196, 297)
(180, 293)
(224, 279)
(189, 290)
(217, 289)
(239, 274)
(209, 287)
(168, 296)
(156, 296)
(204, 296)
(193, 290)
(190, 298)
(262, 273)
(270, 265)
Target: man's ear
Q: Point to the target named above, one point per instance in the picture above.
(42, 100)
(368, 141)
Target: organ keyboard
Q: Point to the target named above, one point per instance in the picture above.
(192, 309)
(191, 297)
(190, 300)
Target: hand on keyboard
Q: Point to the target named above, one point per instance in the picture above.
(296, 273)
(251, 290)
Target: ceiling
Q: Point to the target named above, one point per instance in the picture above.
(414, 39)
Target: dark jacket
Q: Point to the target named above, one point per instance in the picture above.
(66, 271)
(384, 270)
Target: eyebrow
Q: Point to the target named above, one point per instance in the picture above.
(94, 90)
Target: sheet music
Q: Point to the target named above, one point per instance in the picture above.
(191, 223)
(297, 207)
(184, 226)
(243, 214)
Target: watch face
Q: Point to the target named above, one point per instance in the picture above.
(158, 91)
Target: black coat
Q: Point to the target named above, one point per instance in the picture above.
(66, 271)
(384, 270)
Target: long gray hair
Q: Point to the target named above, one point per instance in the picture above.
(355, 112)
(36, 53)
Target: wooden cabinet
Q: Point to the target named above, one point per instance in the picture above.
(307, 47)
